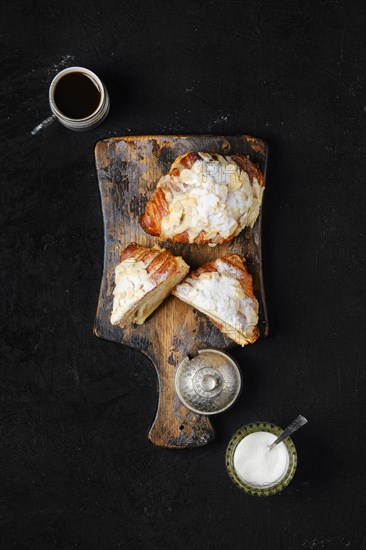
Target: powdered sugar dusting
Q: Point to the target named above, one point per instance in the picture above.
(215, 196)
(132, 283)
(222, 296)
(65, 61)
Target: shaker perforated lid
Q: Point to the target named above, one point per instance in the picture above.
(209, 383)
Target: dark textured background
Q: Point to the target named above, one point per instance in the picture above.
(76, 468)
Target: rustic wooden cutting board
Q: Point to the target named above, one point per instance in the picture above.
(128, 169)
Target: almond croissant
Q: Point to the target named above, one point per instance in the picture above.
(143, 279)
(223, 290)
(205, 198)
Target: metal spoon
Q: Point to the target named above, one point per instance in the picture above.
(291, 428)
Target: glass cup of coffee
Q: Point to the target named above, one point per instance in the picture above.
(78, 99)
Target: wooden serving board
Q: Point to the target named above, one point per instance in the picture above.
(128, 170)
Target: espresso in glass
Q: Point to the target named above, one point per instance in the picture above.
(76, 95)
(78, 99)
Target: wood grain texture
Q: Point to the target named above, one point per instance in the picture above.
(128, 169)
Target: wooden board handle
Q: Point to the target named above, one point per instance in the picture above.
(175, 426)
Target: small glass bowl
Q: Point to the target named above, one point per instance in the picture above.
(257, 490)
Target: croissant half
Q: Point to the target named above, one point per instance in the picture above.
(223, 290)
(205, 198)
(143, 279)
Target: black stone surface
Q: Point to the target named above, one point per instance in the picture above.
(76, 468)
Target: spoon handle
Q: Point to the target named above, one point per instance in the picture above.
(291, 428)
(46, 122)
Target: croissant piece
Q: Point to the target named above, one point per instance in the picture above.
(223, 290)
(143, 279)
